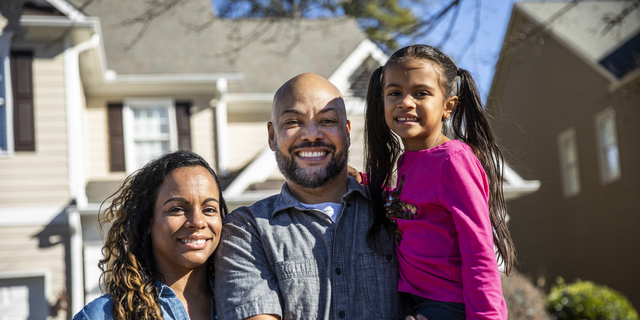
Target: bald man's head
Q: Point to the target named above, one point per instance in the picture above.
(306, 88)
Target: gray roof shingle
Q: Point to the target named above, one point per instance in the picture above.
(170, 45)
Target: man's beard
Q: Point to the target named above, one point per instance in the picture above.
(311, 177)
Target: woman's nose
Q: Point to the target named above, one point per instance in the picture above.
(196, 219)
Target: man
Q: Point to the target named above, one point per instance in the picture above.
(303, 254)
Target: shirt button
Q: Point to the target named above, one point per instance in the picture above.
(341, 314)
(338, 271)
(389, 257)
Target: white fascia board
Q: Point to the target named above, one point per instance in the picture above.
(250, 97)
(46, 21)
(366, 48)
(174, 78)
(31, 216)
(515, 186)
(257, 171)
(67, 9)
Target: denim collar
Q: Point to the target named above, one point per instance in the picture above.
(166, 291)
(285, 200)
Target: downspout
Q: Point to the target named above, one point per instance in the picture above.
(222, 132)
(77, 192)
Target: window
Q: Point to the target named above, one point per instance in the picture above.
(607, 144)
(149, 130)
(568, 149)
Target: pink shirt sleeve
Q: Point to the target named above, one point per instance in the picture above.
(464, 191)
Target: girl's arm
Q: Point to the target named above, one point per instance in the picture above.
(465, 193)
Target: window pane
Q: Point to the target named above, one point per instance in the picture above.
(147, 150)
(610, 157)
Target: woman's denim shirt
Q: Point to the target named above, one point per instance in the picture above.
(171, 306)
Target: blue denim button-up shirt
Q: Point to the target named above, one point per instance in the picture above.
(172, 308)
(279, 257)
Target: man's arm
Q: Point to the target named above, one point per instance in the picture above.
(245, 284)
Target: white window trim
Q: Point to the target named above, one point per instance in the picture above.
(563, 136)
(608, 112)
(8, 100)
(128, 124)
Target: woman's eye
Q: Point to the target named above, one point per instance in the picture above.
(176, 210)
(210, 211)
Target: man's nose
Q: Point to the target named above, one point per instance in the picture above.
(312, 132)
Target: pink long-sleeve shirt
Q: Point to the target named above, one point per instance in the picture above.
(446, 252)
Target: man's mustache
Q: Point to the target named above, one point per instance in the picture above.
(314, 144)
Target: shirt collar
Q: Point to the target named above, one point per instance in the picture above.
(166, 291)
(285, 200)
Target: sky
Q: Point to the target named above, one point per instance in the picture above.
(481, 57)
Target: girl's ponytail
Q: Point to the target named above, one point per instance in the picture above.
(382, 149)
(471, 125)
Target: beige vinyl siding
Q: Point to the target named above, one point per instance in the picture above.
(20, 252)
(41, 177)
(202, 135)
(246, 140)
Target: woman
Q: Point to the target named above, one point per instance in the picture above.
(165, 225)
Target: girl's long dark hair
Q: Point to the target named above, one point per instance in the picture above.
(469, 125)
(128, 268)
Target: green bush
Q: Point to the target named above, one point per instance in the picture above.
(586, 300)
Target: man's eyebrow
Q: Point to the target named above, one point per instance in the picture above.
(329, 109)
(294, 111)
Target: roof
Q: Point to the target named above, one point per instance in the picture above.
(171, 45)
(584, 29)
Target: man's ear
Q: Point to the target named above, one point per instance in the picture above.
(272, 136)
(348, 133)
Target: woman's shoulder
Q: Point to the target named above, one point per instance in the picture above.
(99, 309)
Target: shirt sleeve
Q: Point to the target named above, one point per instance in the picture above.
(465, 193)
(245, 284)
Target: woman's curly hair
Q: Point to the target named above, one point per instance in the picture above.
(128, 268)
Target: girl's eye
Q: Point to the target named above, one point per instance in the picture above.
(422, 93)
(393, 93)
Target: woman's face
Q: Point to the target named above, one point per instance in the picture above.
(186, 223)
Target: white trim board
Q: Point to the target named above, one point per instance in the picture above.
(30, 216)
(366, 48)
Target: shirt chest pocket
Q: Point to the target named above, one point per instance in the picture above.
(299, 288)
(380, 283)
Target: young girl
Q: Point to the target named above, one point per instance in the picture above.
(448, 208)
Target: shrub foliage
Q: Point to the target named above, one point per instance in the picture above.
(587, 300)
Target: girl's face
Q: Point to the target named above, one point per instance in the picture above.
(414, 102)
(186, 224)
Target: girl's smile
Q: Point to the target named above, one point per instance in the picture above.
(415, 104)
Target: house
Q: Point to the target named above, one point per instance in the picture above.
(566, 96)
(88, 96)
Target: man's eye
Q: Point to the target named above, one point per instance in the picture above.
(291, 122)
(328, 121)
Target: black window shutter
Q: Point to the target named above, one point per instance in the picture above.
(116, 137)
(22, 84)
(184, 125)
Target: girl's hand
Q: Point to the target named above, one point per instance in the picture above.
(354, 173)
(419, 317)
